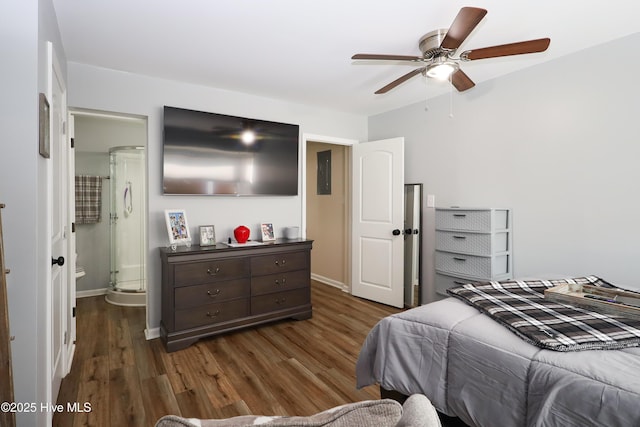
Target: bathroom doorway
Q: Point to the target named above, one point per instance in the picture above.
(112, 248)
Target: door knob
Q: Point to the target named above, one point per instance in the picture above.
(59, 261)
(396, 232)
(408, 231)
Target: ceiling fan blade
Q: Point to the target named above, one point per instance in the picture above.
(396, 82)
(461, 81)
(519, 48)
(386, 57)
(466, 20)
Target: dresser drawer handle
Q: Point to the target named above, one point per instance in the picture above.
(283, 282)
(457, 282)
(460, 237)
(214, 294)
(280, 300)
(458, 259)
(459, 215)
(214, 314)
(213, 273)
(281, 263)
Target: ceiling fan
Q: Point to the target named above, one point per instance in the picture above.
(438, 48)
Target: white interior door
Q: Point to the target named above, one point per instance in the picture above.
(378, 221)
(70, 312)
(59, 232)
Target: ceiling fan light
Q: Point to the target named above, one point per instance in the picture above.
(248, 136)
(442, 70)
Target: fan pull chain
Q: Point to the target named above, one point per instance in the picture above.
(451, 96)
(426, 93)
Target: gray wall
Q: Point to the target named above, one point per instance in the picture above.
(108, 90)
(557, 143)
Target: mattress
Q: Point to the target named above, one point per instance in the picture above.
(472, 367)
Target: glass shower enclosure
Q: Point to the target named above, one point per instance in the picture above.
(127, 226)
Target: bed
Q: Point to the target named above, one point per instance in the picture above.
(474, 368)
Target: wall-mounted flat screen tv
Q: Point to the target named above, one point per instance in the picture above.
(215, 154)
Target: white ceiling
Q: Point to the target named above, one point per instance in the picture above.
(300, 50)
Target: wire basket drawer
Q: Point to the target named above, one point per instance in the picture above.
(472, 243)
(472, 266)
(485, 220)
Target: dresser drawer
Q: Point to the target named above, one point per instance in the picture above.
(444, 282)
(280, 282)
(210, 271)
(471, 265)
(211, 313)
(472, 220)
(280, 301)
(277, 263)
(193, 296)
(472, 243)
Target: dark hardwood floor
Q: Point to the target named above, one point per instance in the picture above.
(284, 368)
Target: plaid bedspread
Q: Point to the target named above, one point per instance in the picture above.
(521, 307)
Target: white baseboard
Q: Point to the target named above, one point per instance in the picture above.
(330, 282)
(151, 334)
(91, 293)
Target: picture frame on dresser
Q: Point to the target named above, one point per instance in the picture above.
(207, 235)
(177, 227)
(266, 229)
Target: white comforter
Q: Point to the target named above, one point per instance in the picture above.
(472, 367)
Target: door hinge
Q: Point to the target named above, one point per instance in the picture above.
(73, 312)
(73, 144)
(64, 127)
(73, 227)
(65, 338)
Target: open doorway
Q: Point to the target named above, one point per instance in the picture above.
(328, 210)
(110, 151)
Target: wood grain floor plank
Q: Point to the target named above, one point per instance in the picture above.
(147, 355)
(93, 388)
(211, 377)
(297, 382)
(126, 407)
(245, 377)
(120, 343)
(195, 403)
(177, 368)
(344, 386)
(235, 409)
(158, 398)
(283, 368)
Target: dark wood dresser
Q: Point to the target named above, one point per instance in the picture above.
(215, 289)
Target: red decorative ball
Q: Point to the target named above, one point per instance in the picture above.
(241, 233)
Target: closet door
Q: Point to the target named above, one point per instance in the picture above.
(378, 221)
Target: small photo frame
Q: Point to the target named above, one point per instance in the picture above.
(177, 227)
(207, 235)
(43, 131)
(266, 228)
